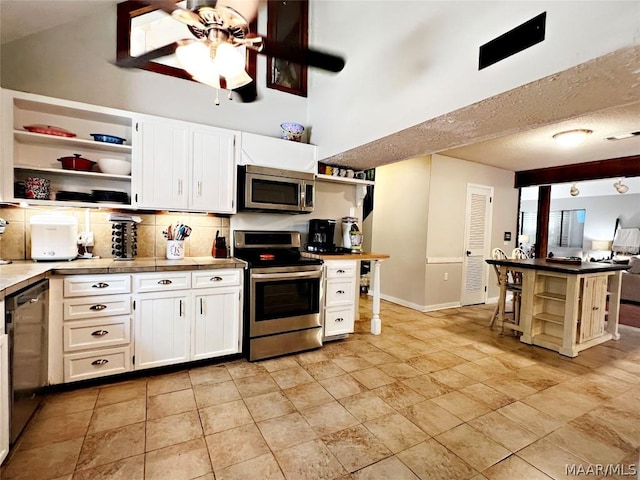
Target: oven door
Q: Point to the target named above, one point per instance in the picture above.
(268, 192)
(284, 300)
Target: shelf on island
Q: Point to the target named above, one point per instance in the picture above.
(549, 317)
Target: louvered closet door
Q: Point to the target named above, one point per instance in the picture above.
(476, 241)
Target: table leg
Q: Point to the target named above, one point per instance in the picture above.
(376, 322)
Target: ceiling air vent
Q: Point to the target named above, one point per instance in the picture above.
(514, 41)
(622, 136)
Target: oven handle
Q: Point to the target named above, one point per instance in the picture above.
(287, 275)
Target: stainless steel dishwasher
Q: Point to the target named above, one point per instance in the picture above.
(26, 323)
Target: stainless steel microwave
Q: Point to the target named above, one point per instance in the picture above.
(265, 189)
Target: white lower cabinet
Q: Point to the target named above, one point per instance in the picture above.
(216, 323)
(183, 324)
(161, 329)
(4, 396)
(96, 329)
(339, 298)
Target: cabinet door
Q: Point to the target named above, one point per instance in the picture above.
(216, 326)
(214, 171)
(4, 397)
(594, 301)
(163, 169)
(161, 329)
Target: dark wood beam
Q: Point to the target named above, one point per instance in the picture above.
(542, 224)
(615, 167)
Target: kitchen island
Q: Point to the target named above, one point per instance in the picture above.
(565, 307)
(375, 259)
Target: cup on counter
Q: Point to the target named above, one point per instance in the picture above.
(175, 249)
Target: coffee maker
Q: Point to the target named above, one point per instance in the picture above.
(321, 233)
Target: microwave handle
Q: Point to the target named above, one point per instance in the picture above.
(304, 202)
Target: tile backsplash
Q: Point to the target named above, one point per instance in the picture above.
(15, 243)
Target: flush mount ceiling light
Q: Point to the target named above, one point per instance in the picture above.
(574, 192)
(621, 187)
(571, 138)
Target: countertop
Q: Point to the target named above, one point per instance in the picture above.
(22, 273)
(346, 256)
(542, 264)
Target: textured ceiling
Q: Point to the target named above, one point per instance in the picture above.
(513, 130)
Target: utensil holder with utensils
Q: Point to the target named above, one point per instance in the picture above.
(124, 239)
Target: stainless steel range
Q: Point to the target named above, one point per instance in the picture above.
(283, 294)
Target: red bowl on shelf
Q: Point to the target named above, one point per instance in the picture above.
(76, 163)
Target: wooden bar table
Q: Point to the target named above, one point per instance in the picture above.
(565, 307)
(375, 259)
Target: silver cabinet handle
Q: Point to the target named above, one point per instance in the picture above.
(164, 282)
(101, 361)
(340, 292)
(97, 307)
(179, 187)
(100, 285)
(341, 271)
(216, 279)
(339, 319)
(33, 300)
(199, 188)
(100, 333)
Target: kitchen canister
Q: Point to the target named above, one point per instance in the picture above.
(175, 249)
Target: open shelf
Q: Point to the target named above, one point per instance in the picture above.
(354, 181)
(552, 296)
(549, 317)
(31, 138)
(62, 171)
(547, 341)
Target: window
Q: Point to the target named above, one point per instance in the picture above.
(566, 227)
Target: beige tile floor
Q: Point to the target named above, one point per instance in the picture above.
(435, 396)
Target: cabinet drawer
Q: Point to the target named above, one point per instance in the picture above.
(92, 334)
(215, 278)
(338, 321)
(339, 293)
(104, 306)
(85, 285)
(80, 366)
(161, 282)
(341, 269)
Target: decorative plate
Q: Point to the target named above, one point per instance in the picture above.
(103, 137)
(49, 130)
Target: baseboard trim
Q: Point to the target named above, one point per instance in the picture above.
(419, 308)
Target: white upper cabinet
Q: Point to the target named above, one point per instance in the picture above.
(183, 166)
(278, 153)
(31, 148)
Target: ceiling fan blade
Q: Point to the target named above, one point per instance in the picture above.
(300, 55)
(142, 60)
(181, 14)
(247, 93)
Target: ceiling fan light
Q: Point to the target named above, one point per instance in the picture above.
(229, 60)
(195, 57)
(571, 138)
(237, 81)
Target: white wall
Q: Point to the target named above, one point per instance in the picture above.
(401, 204)
(407, 61)
(410, 61)
(420, 213)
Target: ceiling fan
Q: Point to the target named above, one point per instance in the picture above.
(216, 54)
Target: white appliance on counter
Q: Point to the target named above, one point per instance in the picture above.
(54, 237)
